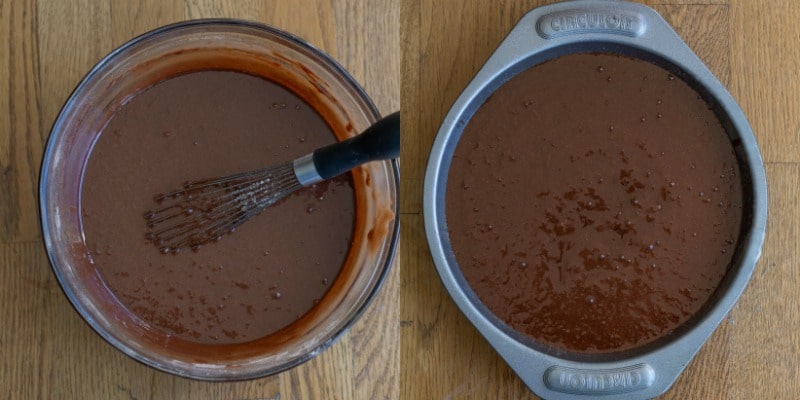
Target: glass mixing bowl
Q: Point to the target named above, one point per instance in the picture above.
(215, 45)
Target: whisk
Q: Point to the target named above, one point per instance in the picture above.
(205, 210)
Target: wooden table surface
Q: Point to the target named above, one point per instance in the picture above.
(413, 343)
(755, 51)
(46, 350)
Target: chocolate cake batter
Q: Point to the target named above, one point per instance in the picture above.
(267, 274)
(594, 203)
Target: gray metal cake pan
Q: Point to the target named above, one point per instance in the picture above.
(632, 30)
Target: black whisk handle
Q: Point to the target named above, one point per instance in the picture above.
(381, 141)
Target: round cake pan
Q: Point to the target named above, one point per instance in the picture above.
(219, 44)
(632, 30)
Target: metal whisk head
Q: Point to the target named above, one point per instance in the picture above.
(204, 210)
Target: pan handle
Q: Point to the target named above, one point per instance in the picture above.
(581, 21)
(599, 381)
(615, 18)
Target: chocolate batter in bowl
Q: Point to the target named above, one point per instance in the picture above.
(595, 242)
(210, 98)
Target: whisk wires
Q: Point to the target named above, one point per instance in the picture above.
(205, 210)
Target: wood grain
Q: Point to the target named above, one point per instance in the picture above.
(765, 334)
(20, 150)
(412, 343)
(765, 61)
(48, 351)
(752, 48)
